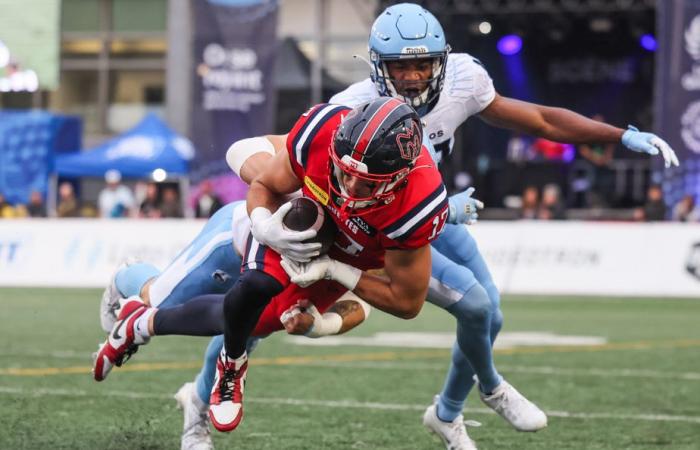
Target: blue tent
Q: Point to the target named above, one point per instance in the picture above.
(149, 145)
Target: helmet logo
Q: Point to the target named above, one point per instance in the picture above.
(410, 142)
(414, 50)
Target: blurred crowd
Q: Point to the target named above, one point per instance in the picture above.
(117, 200)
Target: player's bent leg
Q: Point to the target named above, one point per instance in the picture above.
(124, 339)
(458, 245)
(243, 306)
(453, 434)
(454, 288)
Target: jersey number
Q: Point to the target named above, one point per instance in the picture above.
(439, 224)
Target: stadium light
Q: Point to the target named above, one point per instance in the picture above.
(510, 44)
(485, 27)
(648, 42)
(159, 175)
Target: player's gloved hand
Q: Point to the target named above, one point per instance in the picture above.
(321, 268)
(464, 208)
(267, 228)
(650, 143)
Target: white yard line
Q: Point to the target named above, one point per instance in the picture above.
(346, 404)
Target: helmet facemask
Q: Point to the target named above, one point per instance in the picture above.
(384, 186)
(386, 85)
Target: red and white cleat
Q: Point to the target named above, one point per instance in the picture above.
(122, 341)
(226, 401)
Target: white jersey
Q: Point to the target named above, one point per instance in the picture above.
(468, 89)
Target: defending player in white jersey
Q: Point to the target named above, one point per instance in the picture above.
(410, 60)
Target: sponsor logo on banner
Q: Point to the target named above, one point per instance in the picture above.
(690, 123)
(691, 81)
(231, 78)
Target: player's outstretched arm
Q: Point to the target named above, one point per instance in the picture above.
(401, 293)
(344, 315)
(249, 157)
(563, 125)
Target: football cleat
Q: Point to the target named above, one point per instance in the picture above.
(122, 342)
(453, 434)
(195, 430)
(111, 298)
(510, 404)
(226, 401)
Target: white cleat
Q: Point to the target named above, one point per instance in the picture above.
(111, 298)
(510, 404)
(453, 434)
(195, 430)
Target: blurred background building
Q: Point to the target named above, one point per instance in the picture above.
(112, 62)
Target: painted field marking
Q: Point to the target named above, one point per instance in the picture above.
(345, 404)
(355, 357)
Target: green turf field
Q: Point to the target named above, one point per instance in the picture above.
(640, 389)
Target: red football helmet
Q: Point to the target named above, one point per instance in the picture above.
(376, 144)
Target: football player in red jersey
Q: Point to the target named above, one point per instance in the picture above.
(368, 168)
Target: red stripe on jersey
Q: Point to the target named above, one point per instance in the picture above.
(373, 125)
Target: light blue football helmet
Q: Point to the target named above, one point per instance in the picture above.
(407, 31)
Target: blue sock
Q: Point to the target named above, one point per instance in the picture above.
(459, 381)
(131, 279)
(472, 352)
(205, 377)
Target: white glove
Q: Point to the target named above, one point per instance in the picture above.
(268, 229)
(321, 268)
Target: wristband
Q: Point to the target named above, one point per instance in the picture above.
(344, 274)
(239, 152)
(324, 325)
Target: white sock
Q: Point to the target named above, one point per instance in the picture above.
(141, 325)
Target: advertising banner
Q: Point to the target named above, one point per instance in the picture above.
(571, 258)
(234, 53)
(678, 93)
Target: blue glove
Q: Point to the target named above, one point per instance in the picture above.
(650, 143)
(463, 208)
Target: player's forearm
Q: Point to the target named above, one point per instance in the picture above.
(390, 297)
(563, 125)
(352, 312)
(260, 195)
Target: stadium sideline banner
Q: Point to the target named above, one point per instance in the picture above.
(656, 260)
(677, 102)
(234, 54)
(589, 258)
(85, 252)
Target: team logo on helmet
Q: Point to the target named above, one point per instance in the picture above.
(410, 142)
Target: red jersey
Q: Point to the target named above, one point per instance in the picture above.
(414, 218)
